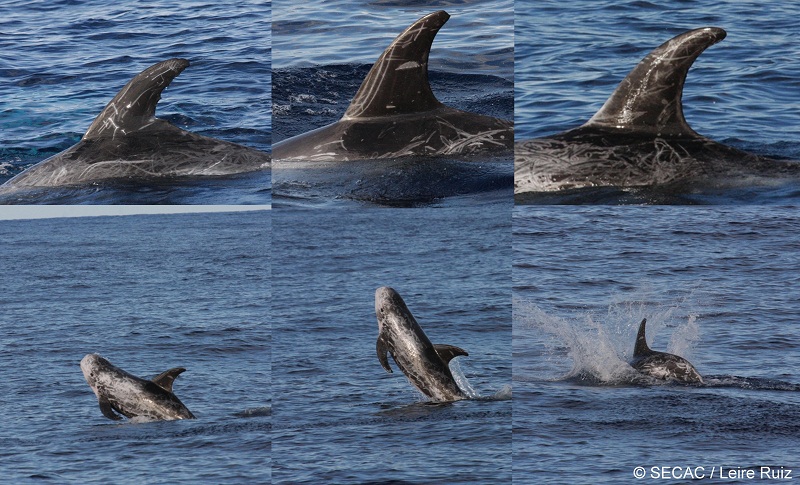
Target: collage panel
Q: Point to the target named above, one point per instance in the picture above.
(364, 117)
(136, 348)
(602, 114)
(429, 291)
(655, 344)
(83, 118)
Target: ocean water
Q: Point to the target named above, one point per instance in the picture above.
(323, 51)
(148, 293)
(339, 416)
(63, 61)
(717, 286)
(743, 91)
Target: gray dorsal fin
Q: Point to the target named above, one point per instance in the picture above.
(135, 105)
(398, 82)
(107, 410)
(648, 100)
(641, 341)
(166, 378)
(447, 352)
(383, 350)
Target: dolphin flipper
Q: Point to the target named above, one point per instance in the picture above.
(447, 352)
(383, 349)
(166, 378)
(648, 100)
(398, 82)
(107, 409)
(134, 107)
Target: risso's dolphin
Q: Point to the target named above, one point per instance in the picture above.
(426, 365)
(640, 136)
(132, 396)
(127, 142)
(395, 113)
(661, 365)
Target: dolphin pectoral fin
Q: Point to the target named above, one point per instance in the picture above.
(166, 378)
(383, 350)
(107, 410)
(648, 100)
(447, 352)
(398, 82)
(134, 107)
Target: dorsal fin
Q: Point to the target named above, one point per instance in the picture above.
(641, 341)
(398, 82)
(166, 378)
(135, 105)
(648, 100)
(447, 352)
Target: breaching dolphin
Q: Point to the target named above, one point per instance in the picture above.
(395, 114)
(132, 396)
(661, 365)
(640, 136)
(127, 142)
(426, 365)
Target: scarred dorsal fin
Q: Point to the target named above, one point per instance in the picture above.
(135, 105)
(447, 352)
(383, 349)
(641, 341)
(166, 378)
(648, 100)
(398, 82)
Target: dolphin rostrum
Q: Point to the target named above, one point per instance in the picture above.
(425, 364)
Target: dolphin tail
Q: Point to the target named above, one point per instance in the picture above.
(447, 352)
(135, 105)
(641, 341)
(107, 409)
(166, 378)
(649, 98)
(398, 82)
(383, 349)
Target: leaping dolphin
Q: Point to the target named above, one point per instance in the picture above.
(640, 136)
(126, 141)
(395, 114)
(425, 364)
(661, 365)
(132, 396)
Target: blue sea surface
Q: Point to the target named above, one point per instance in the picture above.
(63, 61)
(148, 293)
(340, 417)
(323, 51)
(718, 286)
(742, 92)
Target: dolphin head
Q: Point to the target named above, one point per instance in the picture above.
(91, 366)
(388, 302)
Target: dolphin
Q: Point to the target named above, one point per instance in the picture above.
(640, 136)
(132, 396)
(426, 365)
(395, 114)
(127, 142)
(661, 365)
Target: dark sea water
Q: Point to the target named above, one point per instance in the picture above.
(718, 286)
(149, 293)
(743, 92)
(323, 51)
(340, 418)
(63, 61)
